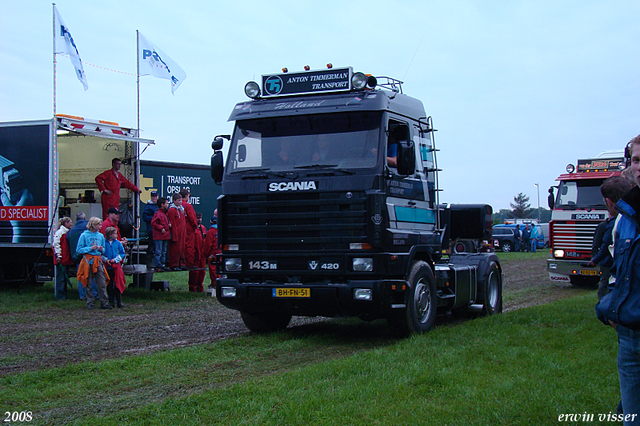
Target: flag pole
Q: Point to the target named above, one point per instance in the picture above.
(136, 198)
(138, 75)
(53, 15)
(53, 182)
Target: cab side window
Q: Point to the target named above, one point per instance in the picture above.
(396, 131)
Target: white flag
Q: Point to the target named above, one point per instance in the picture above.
(155, 62)
(63, 43)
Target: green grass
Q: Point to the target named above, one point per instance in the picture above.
(519, 256)
(520, 368)
(527, 281)
(32, 298)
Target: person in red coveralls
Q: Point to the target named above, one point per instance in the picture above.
(191, 224)
(196, 278)
(211, 249)
(161, 235)
(176, 244)
(113, 217)
(109, 183)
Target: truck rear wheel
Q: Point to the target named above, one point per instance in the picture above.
(422, 302)
(265, 323)
(492, 290)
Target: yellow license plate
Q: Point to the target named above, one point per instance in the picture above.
(587, 272)
(291, 292)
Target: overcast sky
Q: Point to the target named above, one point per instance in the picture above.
(516, 89)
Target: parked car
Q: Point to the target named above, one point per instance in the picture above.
(505, 240)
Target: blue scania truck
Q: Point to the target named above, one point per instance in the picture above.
(330, 207)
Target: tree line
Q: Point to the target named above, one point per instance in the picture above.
(521, 209)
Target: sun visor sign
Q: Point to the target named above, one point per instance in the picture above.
(333, 80)
(601, 165)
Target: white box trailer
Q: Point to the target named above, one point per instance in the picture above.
(48, 170)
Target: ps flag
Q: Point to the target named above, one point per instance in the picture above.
(154, 61)
(64, 43)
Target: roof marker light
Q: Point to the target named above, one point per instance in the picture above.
(307, 67)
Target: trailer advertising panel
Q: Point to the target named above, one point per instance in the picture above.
(168, 178)
(24, 182)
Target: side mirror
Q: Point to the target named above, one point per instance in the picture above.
(551, 199)
(406, 158)
(218, 142)
(217, 167)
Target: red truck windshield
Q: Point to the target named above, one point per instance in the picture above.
(579, 195)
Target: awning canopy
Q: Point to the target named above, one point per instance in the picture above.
(99, 128)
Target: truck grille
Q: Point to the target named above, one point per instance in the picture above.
(309, 221)
(573, 235)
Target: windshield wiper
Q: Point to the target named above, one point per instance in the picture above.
(332, 168)
(316, 166)
(257, 169)
(257, 173)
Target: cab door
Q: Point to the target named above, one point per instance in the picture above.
(409, 202)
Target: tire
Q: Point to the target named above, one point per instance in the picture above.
(507, 247)
(265, 323)
(422, 302)
(464, 246)
(492, 290)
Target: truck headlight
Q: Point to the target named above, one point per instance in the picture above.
(358, 81)
(362, 264)
(558, 253)
(252, 90)
(362, 294)
(228, 292)
(233, 264)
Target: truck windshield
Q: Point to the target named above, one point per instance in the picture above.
(579, 195)
(343, 140)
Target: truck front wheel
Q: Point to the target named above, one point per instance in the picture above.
(422, 302)
(265, 323)
(492, 289)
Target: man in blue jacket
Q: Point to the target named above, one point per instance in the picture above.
(534, 238)
(612, 190)
(621, 307)
(72, 237)
(149, 210)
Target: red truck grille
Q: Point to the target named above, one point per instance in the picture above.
(573, 236)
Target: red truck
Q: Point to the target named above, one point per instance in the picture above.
(577, 209)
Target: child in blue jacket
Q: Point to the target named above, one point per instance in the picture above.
(113, 257)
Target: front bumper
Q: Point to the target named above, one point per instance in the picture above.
(561, 270)
(329, 300)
